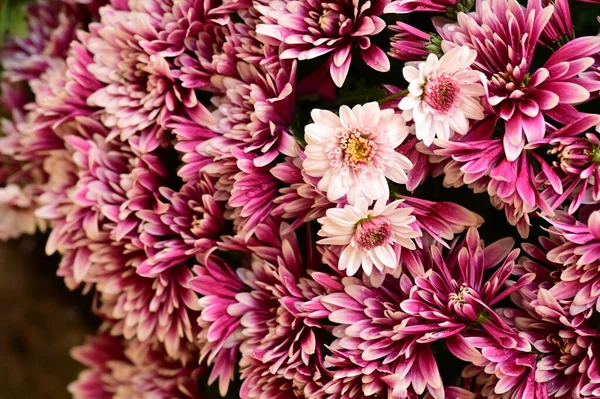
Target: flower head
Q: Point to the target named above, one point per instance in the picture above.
(121, 369)
(308, 29)
(372, 237)
(443, 94)
(519, 95)
(353, 153)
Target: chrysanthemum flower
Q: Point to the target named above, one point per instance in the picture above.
(256, 110)
(17, 207)
(353, 153)
(51, 27)
(120, 369)
(518, 94)
(308, 29)
(272, 312)
(559, 29)
(372, 238)
(161, 308)
(480, 161)
(575, 248)
(440, 220)
(371, 356)
(566, 345)
(498, 373)
(189, 226)
(114, 183)
(454, 295)
(573, 174)
(300, 201)
(443, 94)
(139, 91)
(220, 332)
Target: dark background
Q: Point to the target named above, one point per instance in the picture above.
(40, 320)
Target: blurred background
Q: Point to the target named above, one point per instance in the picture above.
(40, 321)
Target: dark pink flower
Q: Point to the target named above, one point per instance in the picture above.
(272, 312)
(256, 110)
(220, 331)
(575, 248)
(571, 172)
(441, 220)
(559, 29)
(253, 194)
(512, 185)
(300, 201)
(567, 345)
(189, 226)
(518, 94)
(114, 183)
(454, 295)
(372, 355)
(500, 373)
(161, 308)
(310, 29)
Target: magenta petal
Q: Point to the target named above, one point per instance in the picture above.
(376, 58)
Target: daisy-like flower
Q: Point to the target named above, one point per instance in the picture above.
(372, 237)
(353, 153)
(443, 94)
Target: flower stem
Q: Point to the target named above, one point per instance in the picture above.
(391, 97)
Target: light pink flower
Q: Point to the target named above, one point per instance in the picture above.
(17, 210)
(372, 238)
(121, 369)
(353, 153)
(443, 94)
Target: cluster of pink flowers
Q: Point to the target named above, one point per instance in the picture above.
(277, 199)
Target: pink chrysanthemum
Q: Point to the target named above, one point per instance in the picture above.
(372, 238)
(17, 207)
(139, 90)
(300, 201)
(189, 226)
(443, 94)
(161, 308)
(353, 153)
(120, 369)
(256, 110)
(454, 296)
(308, 29)
(575, 248)
(371, 356)
(272, 312)
(518, 94)
(567, 345)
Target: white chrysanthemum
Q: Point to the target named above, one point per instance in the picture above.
(443, 94)
(354, 153)
(372, 237)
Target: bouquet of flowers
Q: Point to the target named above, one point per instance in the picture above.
(336, 199)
